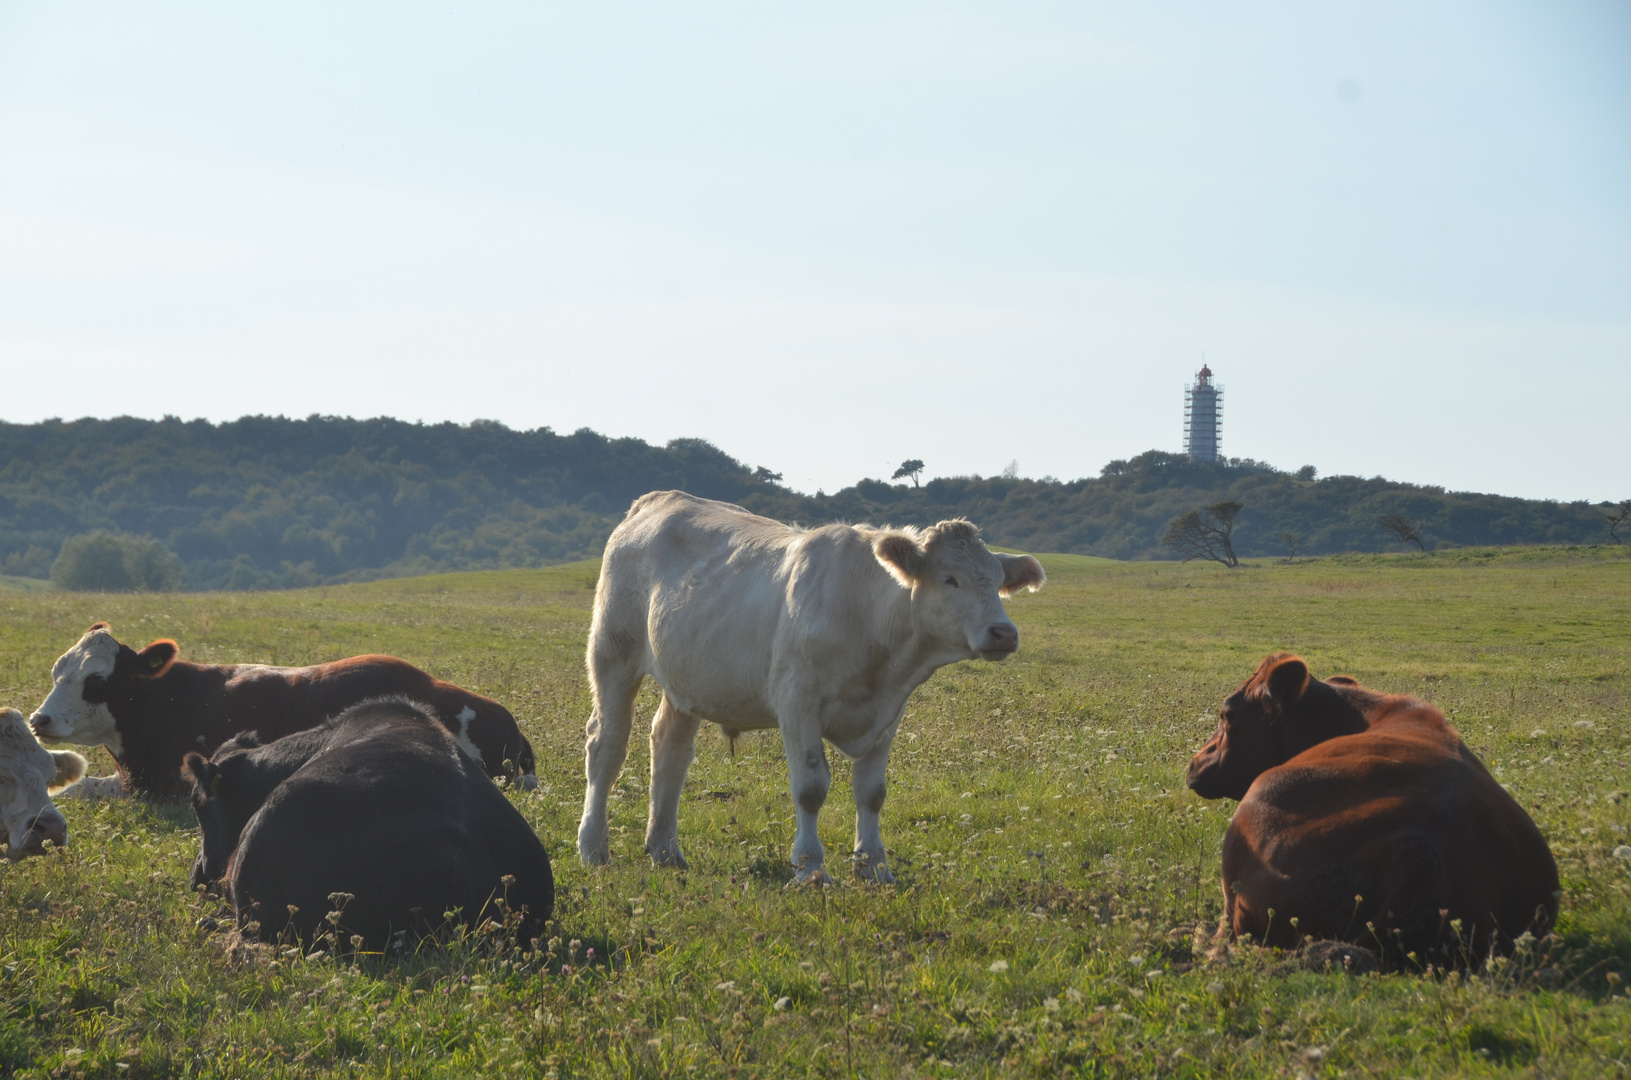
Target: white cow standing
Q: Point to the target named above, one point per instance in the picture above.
(751, 624)
(29, 775)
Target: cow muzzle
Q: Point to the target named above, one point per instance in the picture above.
(40, 723)
(1000, 641)
(46, 825)
(1200, 778)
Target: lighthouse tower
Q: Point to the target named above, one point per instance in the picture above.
(1203, 417)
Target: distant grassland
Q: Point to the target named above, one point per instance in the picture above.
(1053, 868)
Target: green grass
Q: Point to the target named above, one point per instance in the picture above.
(1053, 867)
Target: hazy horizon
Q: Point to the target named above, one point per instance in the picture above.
(829, 241)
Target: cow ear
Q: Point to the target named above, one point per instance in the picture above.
(71, 768)
(1283, 684)
(1019, 572)
(902, 557)
(156, 659)
(95, 626)
(1342, 680)
(205, 775)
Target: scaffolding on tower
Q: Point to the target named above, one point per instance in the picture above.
(1203, 417)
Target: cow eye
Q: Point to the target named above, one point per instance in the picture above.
(952, 582)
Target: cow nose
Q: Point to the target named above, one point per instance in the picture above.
(1003, 635)
(46, 825)
(39, 722)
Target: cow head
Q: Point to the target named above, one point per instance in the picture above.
(1254, 732)
(29, 775)
(88, 679)
(957, 585)
(225, 797)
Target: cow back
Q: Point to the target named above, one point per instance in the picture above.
(392, 813)
(1384, 837)
(198, 707)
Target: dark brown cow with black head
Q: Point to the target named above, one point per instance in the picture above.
(150, 709)
(1363, 817)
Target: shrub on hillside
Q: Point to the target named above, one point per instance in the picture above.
(114, 562)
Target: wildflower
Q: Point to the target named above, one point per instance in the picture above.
(998, 967)
(1051, 1004)
(783, 1004)
(1136, 961)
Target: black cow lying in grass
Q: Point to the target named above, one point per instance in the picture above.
(378, 803)
(150, 709)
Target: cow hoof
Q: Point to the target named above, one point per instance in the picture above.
(813, 876)
(528, 781)
(877, 875)
(594, 854)
(668, 856)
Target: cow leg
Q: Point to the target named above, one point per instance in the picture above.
(673, 745)
(809, 777)
(869, 787)
(607, 744)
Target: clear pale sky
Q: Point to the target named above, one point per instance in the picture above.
(830, 237)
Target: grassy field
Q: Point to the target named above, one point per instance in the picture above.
(1057, 880)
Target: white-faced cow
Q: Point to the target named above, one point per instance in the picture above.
(378, 803)
(150, 709)
(752, 624)
(29, 775)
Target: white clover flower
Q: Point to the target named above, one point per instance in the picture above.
(998, 966)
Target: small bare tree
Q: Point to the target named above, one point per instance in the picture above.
(1617, 517)
(1205, 533)
(910, 467)
(1406, 528)
(1293, 542)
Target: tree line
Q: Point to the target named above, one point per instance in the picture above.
(272, 502)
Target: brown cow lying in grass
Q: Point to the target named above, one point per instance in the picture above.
(1363, 817)
(150, 709)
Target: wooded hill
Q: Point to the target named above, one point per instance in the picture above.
(270, 502)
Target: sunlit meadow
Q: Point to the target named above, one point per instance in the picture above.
(1058, 885)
